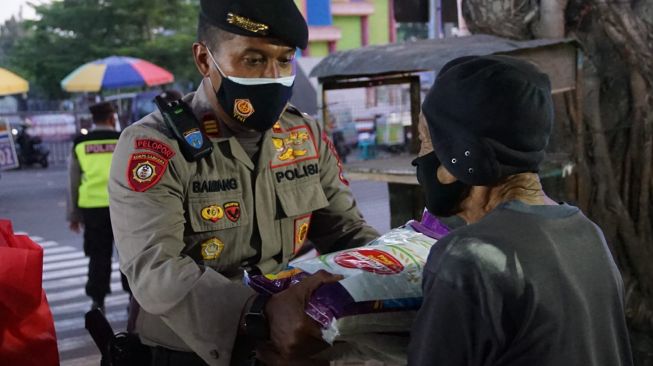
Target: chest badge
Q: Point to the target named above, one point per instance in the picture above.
(232, 210)
(212, 213)
(295, 146)
(211, 249)
(194, 138)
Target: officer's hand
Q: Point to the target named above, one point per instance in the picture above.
(294, 334)
(75, 226)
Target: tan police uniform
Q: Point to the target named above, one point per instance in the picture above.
(186, 231)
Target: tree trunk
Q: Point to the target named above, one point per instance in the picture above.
(617, 126)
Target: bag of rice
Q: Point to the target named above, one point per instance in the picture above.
(382, 286)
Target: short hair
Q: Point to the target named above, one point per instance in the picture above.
(211, 35)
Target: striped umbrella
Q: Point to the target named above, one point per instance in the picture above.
(11, 83)
(115, 72)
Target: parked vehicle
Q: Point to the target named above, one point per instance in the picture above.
(30, 149)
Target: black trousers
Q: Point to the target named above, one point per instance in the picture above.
(98, 246)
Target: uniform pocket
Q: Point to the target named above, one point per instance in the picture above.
(301, 199)
(217, 212)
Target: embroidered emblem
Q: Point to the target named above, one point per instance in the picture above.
(156, 146)
(212, 213)
(243, 108)
(276, 128)
(211, 128)
(247, 24)
(144, 170)
(302, 225)
(211, 249)
(334, 152)
(232, 210)
(295, 146)
(194, 138)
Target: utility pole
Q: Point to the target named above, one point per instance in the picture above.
(435, 19)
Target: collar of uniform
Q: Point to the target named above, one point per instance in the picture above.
(201, 107)
(102, 128)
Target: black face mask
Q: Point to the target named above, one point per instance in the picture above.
(256, 102)
(441, 199)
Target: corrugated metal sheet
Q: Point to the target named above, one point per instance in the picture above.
(423, 55)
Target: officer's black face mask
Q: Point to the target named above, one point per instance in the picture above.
(441, 199)
(256, 102)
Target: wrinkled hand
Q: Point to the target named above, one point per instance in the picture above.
(75, 226)
(293, 334)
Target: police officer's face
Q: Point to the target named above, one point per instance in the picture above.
(247, 57)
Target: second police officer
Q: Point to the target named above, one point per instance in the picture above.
(187, 230)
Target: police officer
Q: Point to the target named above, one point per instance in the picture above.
(187, 230)
(88, 202)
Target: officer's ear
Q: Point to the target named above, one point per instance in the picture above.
(201, 57)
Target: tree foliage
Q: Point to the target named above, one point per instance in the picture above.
(69, 33)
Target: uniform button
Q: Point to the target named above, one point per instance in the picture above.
(215, 354)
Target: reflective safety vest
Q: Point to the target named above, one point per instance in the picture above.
(94, 152)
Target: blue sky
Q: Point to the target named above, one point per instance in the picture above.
(12, 7)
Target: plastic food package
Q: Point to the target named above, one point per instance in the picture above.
(382, 286)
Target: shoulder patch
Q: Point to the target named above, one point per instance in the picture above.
(334, 152)
(145, 170)
(155, 145)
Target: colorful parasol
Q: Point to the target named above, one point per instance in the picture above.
(115, 72)
(11, 83)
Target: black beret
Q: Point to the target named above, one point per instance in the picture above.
(489, 117)
(102, 109)
(280, 19)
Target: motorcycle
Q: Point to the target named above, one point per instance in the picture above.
(30, 149)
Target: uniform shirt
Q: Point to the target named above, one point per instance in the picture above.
(186, 231)
(526, 285)
(76, 173)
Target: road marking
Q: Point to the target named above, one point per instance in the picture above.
(65, 271)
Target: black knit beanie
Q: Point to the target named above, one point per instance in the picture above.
(489, 117)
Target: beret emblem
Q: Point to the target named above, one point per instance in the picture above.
(247, 24)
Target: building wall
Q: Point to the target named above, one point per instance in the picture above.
(319, 49)
(351, 32)
(379, 22)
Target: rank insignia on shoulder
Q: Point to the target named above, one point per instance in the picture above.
(232, 210)
(302, 225)
(211, 249)
(210, 126)
(243, 108)
(212, 213)
(144, 170)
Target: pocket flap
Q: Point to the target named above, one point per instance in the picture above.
(300, 199)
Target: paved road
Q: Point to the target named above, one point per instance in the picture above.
(34, 199)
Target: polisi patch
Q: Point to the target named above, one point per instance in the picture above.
(219, 185)
(211, 249)
(212, 213)
(302, 224)
(144, 170)
(232, 210)
(99, 148)
(297, 172)
(156, 146)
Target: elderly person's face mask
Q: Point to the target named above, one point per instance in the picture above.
(441, 199)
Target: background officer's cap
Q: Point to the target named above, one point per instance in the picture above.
(278, 19)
